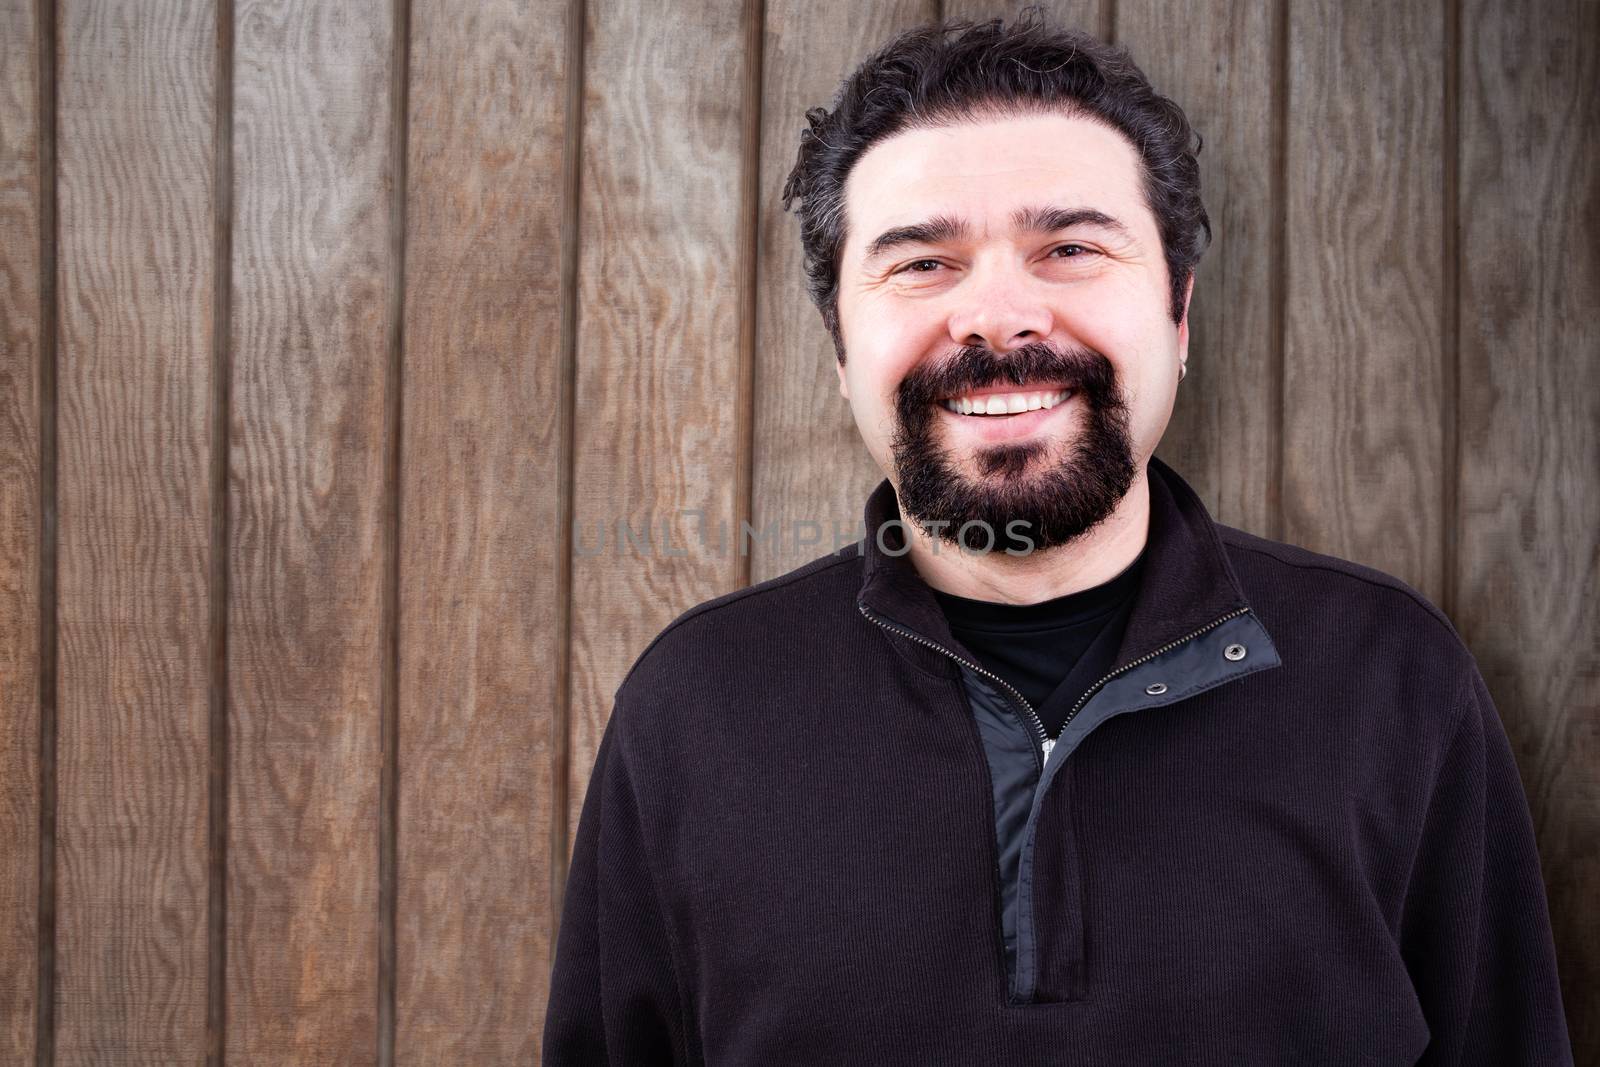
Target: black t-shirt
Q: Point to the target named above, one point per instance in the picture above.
(1052, 651)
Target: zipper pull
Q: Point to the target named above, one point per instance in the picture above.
(1048, 745)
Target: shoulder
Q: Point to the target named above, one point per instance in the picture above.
(1357, 630)
(1279, 571)
(1375, 666)
(735, 632)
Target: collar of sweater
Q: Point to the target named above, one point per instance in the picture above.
(1188, 581)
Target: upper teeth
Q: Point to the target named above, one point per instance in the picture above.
(1005, 403)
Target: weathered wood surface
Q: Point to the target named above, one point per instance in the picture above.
(1528, 572)
(134, 518)
(306, 344)
(1363, 393)
(480, 523)
(21, 547)
(656, 433)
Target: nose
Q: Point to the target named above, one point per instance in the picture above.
(1001, 310)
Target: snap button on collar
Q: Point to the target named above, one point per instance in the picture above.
(1155, 689)
(1234, 652)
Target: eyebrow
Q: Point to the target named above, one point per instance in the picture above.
(1024, 220)
(937, 229)
(1049, 219)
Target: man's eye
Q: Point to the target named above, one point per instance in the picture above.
(919, 266)
(1071, 249)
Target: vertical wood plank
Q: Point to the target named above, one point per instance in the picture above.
(1224, 434)
(1530, 435)
(135, 275)
(657, 419)
(218, 561)
(1364, 462)
(809, 463)
(480, 528)
(310, 241)
(20, 417)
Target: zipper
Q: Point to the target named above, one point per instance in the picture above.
(1095, 688)
(1044, 747)
(1031, 718)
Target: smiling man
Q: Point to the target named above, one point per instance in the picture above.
(1050, 767)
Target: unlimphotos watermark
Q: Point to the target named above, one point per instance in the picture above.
(667, 536)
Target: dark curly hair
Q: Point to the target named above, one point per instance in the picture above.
(947, 72)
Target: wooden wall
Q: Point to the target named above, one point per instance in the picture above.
(323, 323)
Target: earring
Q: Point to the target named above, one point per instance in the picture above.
(1183, 370)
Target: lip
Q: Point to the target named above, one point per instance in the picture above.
(999, 429)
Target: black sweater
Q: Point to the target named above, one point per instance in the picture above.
(1287, 828)
(1051, 651)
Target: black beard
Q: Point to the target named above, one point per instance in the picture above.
(1058, 503)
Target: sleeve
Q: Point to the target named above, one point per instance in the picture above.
(1475, 932)
(614, 995)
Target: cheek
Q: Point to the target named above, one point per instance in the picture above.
(1110, 316)
(1123, 322)
(1147, 375)
(882, 344)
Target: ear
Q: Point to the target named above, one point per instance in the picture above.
(1183, 326)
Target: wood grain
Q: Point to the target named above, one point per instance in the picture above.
(1362, 416)
(480, 529)
(809, 463)
(1224, 436)
(1529, 587)
(308, 353)
(20, 547)
(657, 378)
(135, 180)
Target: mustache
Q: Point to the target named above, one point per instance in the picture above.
(977, 367)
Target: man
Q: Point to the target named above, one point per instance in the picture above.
(1050, 767)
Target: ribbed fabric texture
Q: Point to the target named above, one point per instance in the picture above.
(786, 850)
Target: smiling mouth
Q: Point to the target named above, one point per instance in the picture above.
(1001, 404)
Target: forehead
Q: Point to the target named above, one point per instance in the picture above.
(983, 170)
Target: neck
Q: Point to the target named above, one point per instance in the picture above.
(1093, 559)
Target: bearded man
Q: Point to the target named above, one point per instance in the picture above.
(1050, 767)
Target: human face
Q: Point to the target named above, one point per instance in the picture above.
(999, 257)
